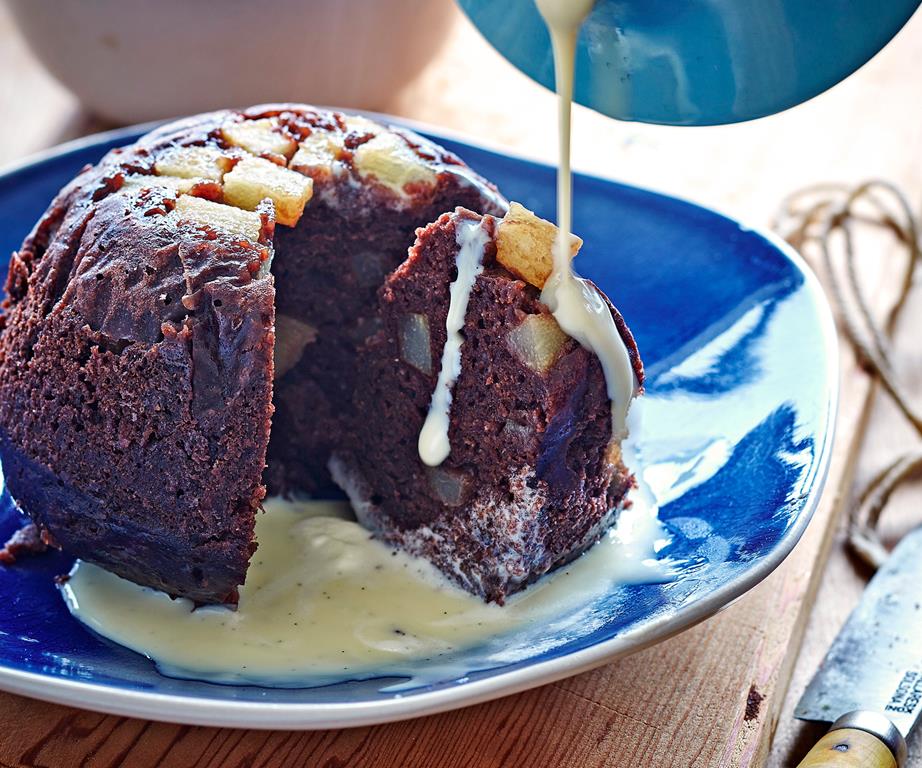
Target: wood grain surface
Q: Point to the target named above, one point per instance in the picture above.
(713, 696)
(888, 435)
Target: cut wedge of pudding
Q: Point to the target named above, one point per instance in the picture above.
(482, 437)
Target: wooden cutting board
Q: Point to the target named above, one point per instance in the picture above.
(709, 697)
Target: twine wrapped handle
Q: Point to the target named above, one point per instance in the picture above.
(824, 215)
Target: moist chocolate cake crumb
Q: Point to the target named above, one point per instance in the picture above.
(25, 542)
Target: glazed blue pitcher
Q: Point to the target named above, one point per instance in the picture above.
(699, 62)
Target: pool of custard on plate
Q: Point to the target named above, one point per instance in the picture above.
(324, 600)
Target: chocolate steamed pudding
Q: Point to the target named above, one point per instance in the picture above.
(240, 275)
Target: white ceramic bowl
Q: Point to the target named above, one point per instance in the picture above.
(134, 60)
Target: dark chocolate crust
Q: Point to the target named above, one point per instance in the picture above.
(532, 478)
(136, 355)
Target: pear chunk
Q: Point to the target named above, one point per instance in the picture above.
(361, 125)
(176, 185)
(415, 344)
(192, 163)
(260, 137)
(613, 453)
(291, 337)
(525, 245)
(254, 179)
(221, 218)
(451, 486)
(537, 342)
(316, 155)
(390, 161)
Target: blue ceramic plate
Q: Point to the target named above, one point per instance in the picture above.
(734, 443)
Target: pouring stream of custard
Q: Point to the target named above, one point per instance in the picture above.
(577, 306)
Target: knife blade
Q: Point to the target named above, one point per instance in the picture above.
(870, 683)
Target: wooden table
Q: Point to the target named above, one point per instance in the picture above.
(720, 694)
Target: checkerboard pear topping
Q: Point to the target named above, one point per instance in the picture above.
(359, 125)
(176, 185)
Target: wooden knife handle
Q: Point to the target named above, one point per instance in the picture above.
(849, 748)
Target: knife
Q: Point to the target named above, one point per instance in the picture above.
(870, 683)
